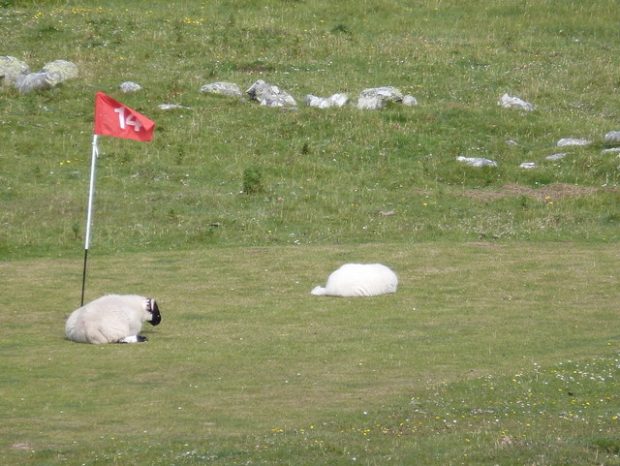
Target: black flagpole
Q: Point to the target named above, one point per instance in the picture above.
(84, 276)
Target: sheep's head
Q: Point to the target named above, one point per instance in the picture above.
(153, 310)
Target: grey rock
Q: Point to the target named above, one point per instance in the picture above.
(410, 101)
(269, 95)
(476, 161)
(52, 74)
(172, 107)
(370, 103)
(222, 88)
(527, 165)
(36, 82)
(612, 137)
(556, 156)
(613, 150)
(11, 69)
(507, 101)
(573, 142)
(376, 98)
(335, 100)
(129, 86)
(60, 71)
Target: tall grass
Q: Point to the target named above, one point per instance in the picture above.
(336, 168)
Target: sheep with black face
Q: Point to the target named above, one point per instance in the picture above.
(112, 319)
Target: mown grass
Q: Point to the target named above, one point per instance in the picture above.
(486, 353)
(499, 346)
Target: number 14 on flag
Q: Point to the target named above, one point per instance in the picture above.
(129, 120)
(114, 119)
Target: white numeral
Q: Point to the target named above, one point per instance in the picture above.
(123, 121)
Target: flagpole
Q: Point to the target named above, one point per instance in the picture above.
(91, 195)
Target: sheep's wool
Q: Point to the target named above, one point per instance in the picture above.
(359, 280)
(110, 319)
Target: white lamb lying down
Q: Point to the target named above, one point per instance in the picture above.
(359, 280)
(112, 319)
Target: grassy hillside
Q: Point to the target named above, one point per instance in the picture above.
(325, 175)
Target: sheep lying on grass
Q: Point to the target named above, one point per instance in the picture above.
(359, 280)
(112, 319)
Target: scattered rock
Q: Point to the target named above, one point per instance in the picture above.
(11, 69)
(129, 86)
(507, 101)
(573, 142)
(62, 70)
(16, 73)
(476, 161)
(527, 165)
(410, 101)
(172, 107)
(222, 88)
(269, 95)
(336, 100)
(556, 156)
(39, 81)
(613, 137)
(377, 97)
(613, 150)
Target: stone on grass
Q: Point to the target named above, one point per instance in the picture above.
(11, 69)
(62, 70)
(572, 142)
(507, 101)
(130, 86)
(410, 101)
(335, 100)
(613, 150)
(222, 88)
(269, 95)
(476, 161)
(375, 98)
(172, 107)
(556, 156)
(527, 165)
(52, 74)
(612, 138)
(39, 81)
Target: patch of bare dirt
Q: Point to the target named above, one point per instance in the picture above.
(22, 446)
(550, 192)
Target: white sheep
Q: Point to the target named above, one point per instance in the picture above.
(359, 280)
(112, 319)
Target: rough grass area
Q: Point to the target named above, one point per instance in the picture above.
(228, 172)
(485, 353)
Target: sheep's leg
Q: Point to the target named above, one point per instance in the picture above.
(133, 339)
(96, 336)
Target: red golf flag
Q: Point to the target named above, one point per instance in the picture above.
(117, 120)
